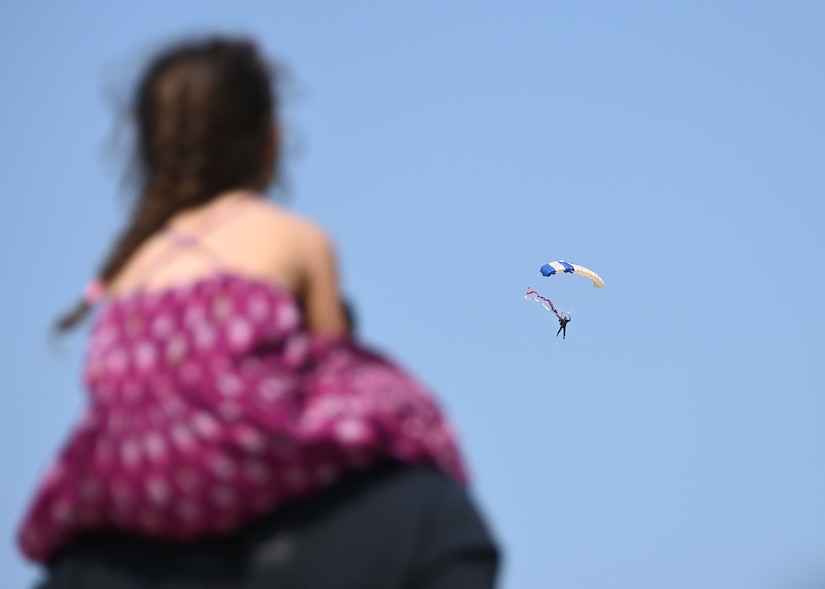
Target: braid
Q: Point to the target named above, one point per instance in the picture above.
(203, 113)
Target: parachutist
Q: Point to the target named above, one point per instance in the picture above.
(563, 321)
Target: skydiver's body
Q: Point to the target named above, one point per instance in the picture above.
(563, 321)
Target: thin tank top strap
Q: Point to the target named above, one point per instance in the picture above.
(183, 240)
(192, 240)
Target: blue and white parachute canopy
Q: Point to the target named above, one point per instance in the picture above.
(552, 268)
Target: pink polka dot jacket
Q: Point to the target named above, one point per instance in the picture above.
(210, 404)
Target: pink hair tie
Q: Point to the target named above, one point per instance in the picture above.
(95, 291)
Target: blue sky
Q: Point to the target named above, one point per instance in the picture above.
(675, 438)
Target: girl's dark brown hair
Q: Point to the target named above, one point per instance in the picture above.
(203, 114)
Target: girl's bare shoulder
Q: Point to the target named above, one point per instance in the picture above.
(280, 222)
(292, 247)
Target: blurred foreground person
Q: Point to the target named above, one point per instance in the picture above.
(237, 434)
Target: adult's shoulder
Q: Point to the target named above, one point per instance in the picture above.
(451, 544)
(442, 511)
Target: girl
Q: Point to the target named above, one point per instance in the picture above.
(223, 383)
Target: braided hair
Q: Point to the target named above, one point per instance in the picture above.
(203, 112)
